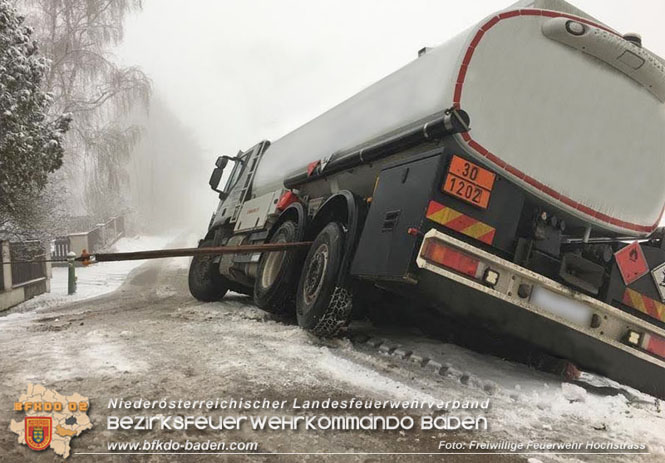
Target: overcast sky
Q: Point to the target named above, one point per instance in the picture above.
(236, 72)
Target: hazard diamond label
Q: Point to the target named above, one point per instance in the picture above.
(658, 275)
(631, 262)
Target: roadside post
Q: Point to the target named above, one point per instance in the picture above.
(71, 276)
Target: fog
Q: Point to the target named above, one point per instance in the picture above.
(235, 72)
(169, 174)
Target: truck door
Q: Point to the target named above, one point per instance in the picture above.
(239, 184)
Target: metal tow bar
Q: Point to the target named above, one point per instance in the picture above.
(86, 258)
(91, 258)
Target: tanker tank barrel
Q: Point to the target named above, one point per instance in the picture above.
(451, 122)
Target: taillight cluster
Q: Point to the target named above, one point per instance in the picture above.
(648, 342)
(437, 252)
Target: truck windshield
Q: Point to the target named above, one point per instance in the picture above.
(238, 165)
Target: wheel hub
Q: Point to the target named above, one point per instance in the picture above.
(316, 271)
(273, 265)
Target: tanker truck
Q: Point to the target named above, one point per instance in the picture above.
(511, 177)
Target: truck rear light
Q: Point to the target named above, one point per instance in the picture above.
(646, 341)
(654, 344)
(565, 307)
(437, 252)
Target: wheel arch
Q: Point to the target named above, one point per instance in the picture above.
(349, 210)
(295, 212)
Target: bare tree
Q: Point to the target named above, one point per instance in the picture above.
(83, 78)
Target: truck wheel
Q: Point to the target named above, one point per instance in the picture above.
(205, 282)
(277, 275)
(322, 307)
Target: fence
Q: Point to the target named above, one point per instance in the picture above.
(60, 248)
(23, 272)
(20, 281)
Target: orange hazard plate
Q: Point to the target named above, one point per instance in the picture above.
(469, 182)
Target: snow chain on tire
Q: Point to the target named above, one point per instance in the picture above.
(337, 314)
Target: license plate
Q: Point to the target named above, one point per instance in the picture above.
(469, 182)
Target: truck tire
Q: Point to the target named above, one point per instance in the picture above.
(205, 282)
(322, 307)
(277, 275)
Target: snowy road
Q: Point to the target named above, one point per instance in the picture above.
(150, 339)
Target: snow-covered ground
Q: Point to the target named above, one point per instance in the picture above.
(97, 279)
(151, 339)
(536, 405)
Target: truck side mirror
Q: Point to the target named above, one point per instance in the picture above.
(221, 162)
(215, 178)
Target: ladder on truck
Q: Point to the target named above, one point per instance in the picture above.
(254, 157)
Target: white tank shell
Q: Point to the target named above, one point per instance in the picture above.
(573, 130)
(418, 90)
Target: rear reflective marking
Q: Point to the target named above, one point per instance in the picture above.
(459, 222)
(644, 304)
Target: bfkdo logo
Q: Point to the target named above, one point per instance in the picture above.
(51, 420)
(38, 431)
(28, 406)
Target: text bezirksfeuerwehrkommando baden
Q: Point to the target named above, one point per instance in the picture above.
(280, 423)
